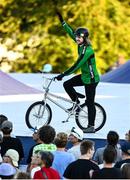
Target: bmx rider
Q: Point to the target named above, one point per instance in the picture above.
(89, 77)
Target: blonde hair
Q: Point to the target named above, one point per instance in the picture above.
(126, 170)
(61, 139)
(88, 42)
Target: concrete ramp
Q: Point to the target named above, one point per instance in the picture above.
(11, 86)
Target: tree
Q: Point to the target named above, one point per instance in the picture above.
(33, 36)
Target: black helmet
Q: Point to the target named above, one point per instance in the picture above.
(82, 32)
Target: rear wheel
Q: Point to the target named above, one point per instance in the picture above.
(82, 117)
(38, 114)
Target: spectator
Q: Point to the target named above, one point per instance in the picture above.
(108, 171)
(1, 139)
(2, 119)
(60, 154)
(38, 141)
(76, 137)
(127, 136)
(126, 171)
(10, 142)
(125, 154)
(112, 139)
(11, 157)
(1, 136)
(46, 135)
(69, 143)
(80, 169)
(35, 163)
(22, 175)
(46, 172)
(7, 171)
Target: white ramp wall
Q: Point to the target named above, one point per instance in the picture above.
(115, 98)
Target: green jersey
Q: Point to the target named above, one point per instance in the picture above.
(44, 147)
(86, 60)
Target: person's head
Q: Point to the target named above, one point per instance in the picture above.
(46, 134)
(2, 119)
(12, 157)
(87, 148)
(81, 35)
(36, 158)
(125, 169)
(22, 175)
(7, 171)
(109, 154)
(125, 147)
(6, 127)
(127, 136)
(76, 135)
(35, 135)
(112, 138)
(47, 158)
(61, 140)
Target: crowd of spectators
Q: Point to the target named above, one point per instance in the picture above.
(52, 158)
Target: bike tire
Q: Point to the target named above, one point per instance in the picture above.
(31, 118)
(82, 117)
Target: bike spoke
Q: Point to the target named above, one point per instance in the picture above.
(38, 115)
(82, 117)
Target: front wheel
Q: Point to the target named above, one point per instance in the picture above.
(38, 114)
(82, 117)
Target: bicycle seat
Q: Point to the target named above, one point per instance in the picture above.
(80, 95)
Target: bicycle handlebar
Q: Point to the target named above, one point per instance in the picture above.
(51, 79)
(47, 80)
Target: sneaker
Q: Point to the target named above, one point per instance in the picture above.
(89, 129)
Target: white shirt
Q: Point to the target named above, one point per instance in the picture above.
(75, 150)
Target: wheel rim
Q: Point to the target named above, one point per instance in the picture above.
(82, 118)
(36, 119)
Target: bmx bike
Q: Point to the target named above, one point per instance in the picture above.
(40, 112)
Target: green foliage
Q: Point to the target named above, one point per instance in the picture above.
(32, 29)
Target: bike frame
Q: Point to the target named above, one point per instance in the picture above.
(49, 96)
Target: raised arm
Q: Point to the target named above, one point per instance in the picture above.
(66, 27)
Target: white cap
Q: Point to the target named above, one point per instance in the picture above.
(78, 133)
(13, 154)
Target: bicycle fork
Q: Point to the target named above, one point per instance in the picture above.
(41, 109)
(40, 112)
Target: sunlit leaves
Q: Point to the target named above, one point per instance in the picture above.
(31, 30)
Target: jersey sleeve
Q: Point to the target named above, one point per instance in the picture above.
(85, 56)
(69, 30)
